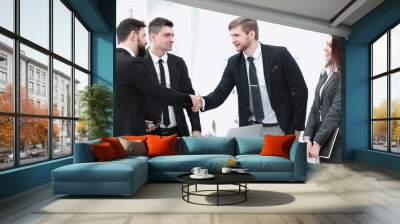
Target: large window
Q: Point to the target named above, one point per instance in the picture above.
(385, 95)
(44, 63)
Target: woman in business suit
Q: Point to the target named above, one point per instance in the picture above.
(325, 114)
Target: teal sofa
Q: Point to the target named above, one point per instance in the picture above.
(125, 176)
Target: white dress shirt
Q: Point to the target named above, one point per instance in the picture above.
(329, 71)
(171, 112)
(127, 49)
(269, 113)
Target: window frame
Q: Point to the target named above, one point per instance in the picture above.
(16, 114)
(388, 74)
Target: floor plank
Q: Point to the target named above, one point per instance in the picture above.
(376, 189)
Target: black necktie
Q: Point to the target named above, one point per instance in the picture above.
(255, 92)
(165, 113)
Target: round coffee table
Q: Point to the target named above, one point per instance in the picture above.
(238, 179)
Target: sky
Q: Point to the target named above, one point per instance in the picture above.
(35, 27)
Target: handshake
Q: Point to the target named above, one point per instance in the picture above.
(196, 103)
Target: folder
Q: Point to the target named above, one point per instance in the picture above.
(326, 149)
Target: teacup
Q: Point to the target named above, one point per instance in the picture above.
(196, 170)
(226, 170)
(203, 172)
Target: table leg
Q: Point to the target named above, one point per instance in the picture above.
(217, 194)
(245, 193)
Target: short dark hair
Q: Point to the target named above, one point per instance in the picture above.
(337, 52)
(247, 25)
(126, 26)
(156, 24)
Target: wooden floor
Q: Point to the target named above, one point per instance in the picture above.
(377, 188)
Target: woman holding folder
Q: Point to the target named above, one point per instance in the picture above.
(322, 129)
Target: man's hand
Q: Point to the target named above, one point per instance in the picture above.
(314, 152)
(196, 133)
(196, 102)
(150, 126)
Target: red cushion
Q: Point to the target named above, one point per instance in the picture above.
(277, 145)
(116, 145)
(161, 145)
(103, 151)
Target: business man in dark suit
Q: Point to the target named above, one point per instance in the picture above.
(171, 71)
(325, 114)
(270, 86)
(133, 83)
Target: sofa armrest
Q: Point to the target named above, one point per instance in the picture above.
(83, 152)
(299, 158)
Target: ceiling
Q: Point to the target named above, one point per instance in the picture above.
(326, 16)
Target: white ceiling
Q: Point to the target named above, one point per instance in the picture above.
(313, 15)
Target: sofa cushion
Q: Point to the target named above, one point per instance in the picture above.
(249, 145)
(277, 145)
(116, 145)
(112, 171)
(135, 147)
(257, 163)
(161, 145)
(206, 145)
(185, 163)
(103, 152)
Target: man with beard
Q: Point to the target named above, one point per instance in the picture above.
(271, 89)
(133, 83)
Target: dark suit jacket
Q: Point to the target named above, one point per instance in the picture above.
(180, 81)
(285, 85)
(328, 107)
(133, 84)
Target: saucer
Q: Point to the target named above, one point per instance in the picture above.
(208, 176)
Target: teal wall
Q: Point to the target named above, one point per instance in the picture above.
(99, 16)
(356, 82)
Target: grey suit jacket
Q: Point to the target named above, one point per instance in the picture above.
(325, 114)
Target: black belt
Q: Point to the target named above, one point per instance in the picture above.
(165, 131)
(267, 125)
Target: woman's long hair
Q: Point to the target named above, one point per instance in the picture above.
(336, 53)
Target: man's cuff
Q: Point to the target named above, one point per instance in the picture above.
(203, 104)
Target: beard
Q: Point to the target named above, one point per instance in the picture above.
(141, 50)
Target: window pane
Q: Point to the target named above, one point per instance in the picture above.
(379, 55)
(62, 29)
(34, 72)
(395, 95)
(35, 21)
(6, 142)
(7, 14)
(81, 131)
(62, 89)
(81, 81)
(62, 141)
(379, 135)
(81, 45)
(6, 75)
(395, 47)
(379, 98)
(33, 140)
(395, 136)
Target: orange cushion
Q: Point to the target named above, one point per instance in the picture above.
(136, 137)
(103, 151)
(116, 145)
(277, 145)
(161, 145)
